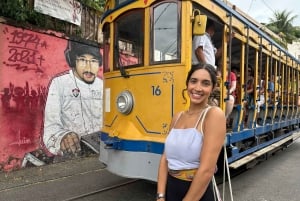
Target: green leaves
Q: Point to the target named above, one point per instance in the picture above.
(281, 24)
(22, 11)
(96, 4)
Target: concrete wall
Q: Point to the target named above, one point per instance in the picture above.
(28, 61)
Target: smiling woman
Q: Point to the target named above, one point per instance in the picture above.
(180, 176)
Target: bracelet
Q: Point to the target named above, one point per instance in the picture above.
(160, 195)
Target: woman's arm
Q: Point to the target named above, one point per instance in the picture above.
(162, 176)
(163, 167)
(212, 144)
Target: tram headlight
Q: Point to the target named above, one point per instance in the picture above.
(125, 102)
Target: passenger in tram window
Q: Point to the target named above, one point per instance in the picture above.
(203, 48)
(219, 72)
(214, 99)
(74, 102)
(271, 89)
(231, 79)
(180, 175)
(293, 87)
(249, 93)
(250, 86)
(297, 97)
(298, 100)
(278, 88)
(235, 70)
(261, 93)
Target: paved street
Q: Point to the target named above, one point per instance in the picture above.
(276, 179)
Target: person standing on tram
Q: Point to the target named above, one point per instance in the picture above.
(204, 50)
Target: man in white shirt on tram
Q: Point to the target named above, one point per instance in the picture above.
(204, 50)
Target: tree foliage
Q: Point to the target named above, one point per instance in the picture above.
(22, 12)
(297, 32)
(282, 24)
(96, 4)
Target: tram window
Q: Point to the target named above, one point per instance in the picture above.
(165, 34)
(129, 44)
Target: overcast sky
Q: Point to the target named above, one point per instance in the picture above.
(262, 10)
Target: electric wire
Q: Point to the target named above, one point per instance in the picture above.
(250, 6)
(268, 6)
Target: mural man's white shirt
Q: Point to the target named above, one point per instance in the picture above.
(72, 106)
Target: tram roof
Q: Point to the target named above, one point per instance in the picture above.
(254, 26)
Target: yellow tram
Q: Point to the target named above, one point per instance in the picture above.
(147, 54)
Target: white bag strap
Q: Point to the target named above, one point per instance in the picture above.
(226, 168)
(217, 196)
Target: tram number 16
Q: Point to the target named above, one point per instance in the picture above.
(156, 91)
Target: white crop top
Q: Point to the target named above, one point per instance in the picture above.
(183, 146)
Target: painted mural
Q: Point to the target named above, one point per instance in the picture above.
(51, 98)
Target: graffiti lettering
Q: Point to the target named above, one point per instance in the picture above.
(24, 39)
(23, 55)
(24, 51)
(21, 142)
(37, 69)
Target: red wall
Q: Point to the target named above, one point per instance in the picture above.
(28, 61)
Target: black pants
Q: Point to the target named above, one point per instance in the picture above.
(177, 189)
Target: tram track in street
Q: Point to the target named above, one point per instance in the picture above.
(105, 189)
